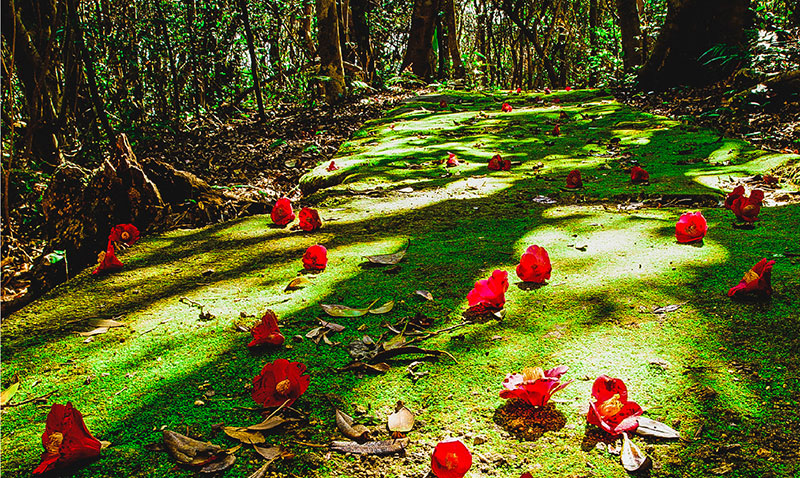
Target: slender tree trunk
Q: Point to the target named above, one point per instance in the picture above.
(308, 12)
(443, 52)
(530, 32)
(360, 10)
(253, 58)
(452, 38)
(594, 22)
(329, 51)
(276, 22)
(481, 39)
(173, 70)
(631, 33)
(419, 53)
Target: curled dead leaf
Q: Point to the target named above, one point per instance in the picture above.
(426, 294)
(93, 332)
(219, 466)
(105, 323)
(344, 423)
(297, 283)
(633, 459)
(381, 367)
(387, 307)
(9, 393)
(189, 451)
(270, 423)
(402, 420)
(388, 259)
(382, 447)
(244, 435)
(335, 310)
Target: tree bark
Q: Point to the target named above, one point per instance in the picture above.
(452, 38)
(419, 53)
(594, 21)
(443, 54)
(631, 32)
(360, 9)
(308, 12)
(329, 51)
(692, 27)
(253, 58)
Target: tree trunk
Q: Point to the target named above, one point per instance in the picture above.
(173, 70)
(308, 12)
(360, 9)
(631, 33)
(419, 53)
(452, 38)
(481, 40)
(692, 28)
(329, 51)
(594, 23)
(512, 10)
(253, 58)
(443, 53)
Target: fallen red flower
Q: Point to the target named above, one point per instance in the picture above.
(266, 332)
(574, 179)
(315, 258)
(282, 213)
(506, 108)
(747, 208)
(126, 233)
(556, 130)
(332, 167)
(534, 265)
(452, 161)
(757, 281)
(547, 91)
(451, 459)
(443, 104)
(519, 90)
(611, 409)
(107, 261)
(639, 175)
(526, 475)
(280, 381)
(737, 192)
(490, 292)
(309, 219)
(497, 163)
(691, 227)
(66, 439)
(556, 100)
(569, 88)
(534, 386)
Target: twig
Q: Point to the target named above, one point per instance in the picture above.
(34, 399)
(314, 445)
(125, 388)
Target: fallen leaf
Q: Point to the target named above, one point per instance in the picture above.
(244, 435)
(722, 469)
(344, 423)
(387, 307)
(402, 420)
(633, 459)
(654, 428)
(333, 327)
(425, 294)
(219, 466)
(297, 283)
(270, 423)
(268, 453)
(383, 447)
(104, 444)
(406, 190)
(105, 323)
(91, 333)
(389, 259)
(9, 393)
(189, 451)
(667, 308)
(344, 311)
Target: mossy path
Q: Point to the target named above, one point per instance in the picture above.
(725, 373)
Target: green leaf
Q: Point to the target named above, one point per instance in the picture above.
(55, 256)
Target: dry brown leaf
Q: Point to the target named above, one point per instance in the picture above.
(426, 294)
(388, 259)
(383, 447)
(105, 323)
(297, 283)
(244, 435)
(344, 423)
(332, 326)
(270, 423)
(91, 333)
(344, 311)
(387, 307)
(218, 466)
(189, 451)
(402, 420)
(633, 459)
(268, 453)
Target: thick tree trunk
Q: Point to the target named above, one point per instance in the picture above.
(329, 52)
(692, 28)
(253, 58)
(452, 38)
(631, 33)
(419, 53)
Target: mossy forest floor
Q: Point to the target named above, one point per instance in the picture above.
(724, 373)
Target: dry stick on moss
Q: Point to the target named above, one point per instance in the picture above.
(34, 399)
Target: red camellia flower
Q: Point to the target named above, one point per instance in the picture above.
(452, 161)
(757, 281)
(691, 227)
(66, 439)
(574, 180)
(747, 208)
(315, 258)
(490, 292)
(332, 167)
(534, 386)
(569, 88)
(639, 175)
(309, 219)
(282, 214)
(443, 104)
(107, 261)
(547, 91)
(556, 130)
(451, 459)
(126, 233)
(506, 108)
(611, 409)
(267, 331)
(556, 100)
(534, 265)
(526, 475)
(497, 163)
(279, 381)
(737, 192)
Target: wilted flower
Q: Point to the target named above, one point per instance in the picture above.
(747, 208)
(309, 219)
(451, 459)
(611, 409)
(280, 381)
(490, 292)
(534, 386)
(315, 258)
(497, 163)
(506, 108)
(639, 175)
(66, 439)
(534, 265)
(452, 161)
(107, 261)
(266, 332)
(282, 213)
(125, 233)
(574, 179)
(757, 281)
(332, 167)
(691, 227)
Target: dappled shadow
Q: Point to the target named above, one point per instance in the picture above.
(527, 422)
